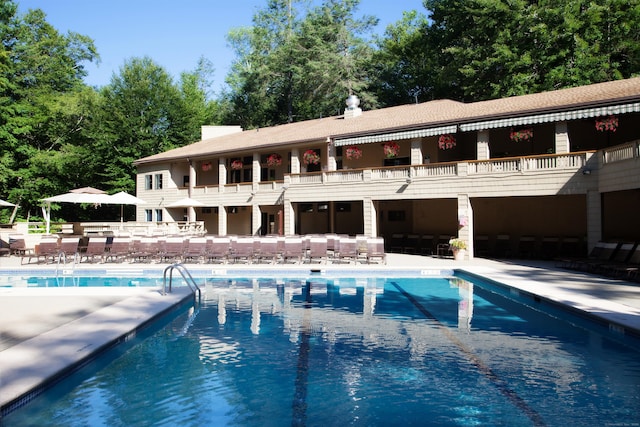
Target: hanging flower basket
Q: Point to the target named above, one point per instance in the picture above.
(236, 164)
(354, 153)
(310, 157)
(446, 142)
(523, 134)
(206, 166)
(274, 159)
(391, 149)
(607, 124)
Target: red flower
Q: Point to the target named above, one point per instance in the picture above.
(274, 159)
(236, 164)
(391, 149)
(523, 134)
(310, 157)
(607, 124)
(446, 142)
(354, 153)
(206, 166)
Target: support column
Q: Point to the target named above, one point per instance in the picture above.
(256, 219)
(191, 211)
(331, 155)
(482, 145)
(222, 173)
(295, 161)
(370, 217)
(222, 220)
(289, 218)
(416, 152)
(594, 219)
(562, 143)
(465, 223)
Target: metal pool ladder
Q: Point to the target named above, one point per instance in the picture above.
(185, 275)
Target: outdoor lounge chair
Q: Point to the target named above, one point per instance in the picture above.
(195, 249)
(119, 250)
(95, 248)
(375, 250)
(69, 248)
(317, 249)
(173, 249)
(625, 261)
(217, 249)
(17, 245)
(46, 250)
(267, 250)
(348, 250)
(242, 249)
(293, 249)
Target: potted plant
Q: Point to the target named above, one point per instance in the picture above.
(236, 164)
(391, 149)
(522, 134)
(458, 247)
(607, 124)
(206, 166)
(353, 153)
(310, 157)
(446, 142)
(274, 160)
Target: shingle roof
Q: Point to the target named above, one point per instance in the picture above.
(405, 117)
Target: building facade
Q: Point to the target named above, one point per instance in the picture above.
(557, 167)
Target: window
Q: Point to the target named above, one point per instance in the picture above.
(148, 182)
(158, 181)
(148, 215)
(159, 215)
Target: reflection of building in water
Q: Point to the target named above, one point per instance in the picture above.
(465, 304)
(350, 308)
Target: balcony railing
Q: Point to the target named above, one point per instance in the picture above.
(525, 164)
(621, 152)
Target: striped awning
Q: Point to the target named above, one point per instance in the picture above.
(394, 136)
(559, 116)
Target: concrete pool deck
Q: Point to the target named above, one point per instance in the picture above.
(43, 331)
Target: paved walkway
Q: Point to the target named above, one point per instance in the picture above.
(45, 330)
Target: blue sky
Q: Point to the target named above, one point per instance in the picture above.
(174, 34)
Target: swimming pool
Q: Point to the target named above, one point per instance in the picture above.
(356, 351)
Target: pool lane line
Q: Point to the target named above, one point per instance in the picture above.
(501, 384)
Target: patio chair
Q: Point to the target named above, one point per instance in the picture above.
(268, 250)
(174, 248)
(217, 249)
(375, 250)
(195, 250)
(17, 244)
(348, 250)
(144, 249)
(95, 248)
(317, 249)
(46, 250)
(69, 248)
(293, 249)
(242, 249)
(618, 263)
(119, 250)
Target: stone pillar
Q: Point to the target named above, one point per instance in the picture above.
(289, 218)
(191, 211)
(594, 219)
(295, 161)
(222, 173)
(465, 223)
(256, 219)
(331, 156)
(255, 169)
(416, 152)
(222, 220)
(562, 143)
(370, 217)
(482, 145)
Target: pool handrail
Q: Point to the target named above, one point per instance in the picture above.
(186, 275)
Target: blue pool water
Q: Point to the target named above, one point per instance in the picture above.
(327, 351)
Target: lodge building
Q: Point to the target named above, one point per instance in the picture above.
(560, 167)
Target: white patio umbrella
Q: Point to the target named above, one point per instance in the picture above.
(3, 203)
(123, 198)
(87, 195)
(187, 202)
